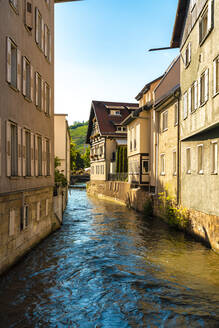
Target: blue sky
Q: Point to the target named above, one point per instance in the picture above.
(101, 50)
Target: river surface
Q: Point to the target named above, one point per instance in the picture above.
(110, 267)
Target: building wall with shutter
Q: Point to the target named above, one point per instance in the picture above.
(201, 126)
(14, 107)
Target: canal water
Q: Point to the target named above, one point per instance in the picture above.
(110, 267)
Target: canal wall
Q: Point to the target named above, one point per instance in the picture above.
(202, 226)
(25, 219)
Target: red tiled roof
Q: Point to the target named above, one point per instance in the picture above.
(107, 123)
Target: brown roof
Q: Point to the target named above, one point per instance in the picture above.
(179, 23)
(107, 123)
(169, 83)
(146, 88)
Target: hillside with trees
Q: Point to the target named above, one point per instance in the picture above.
(78, 131)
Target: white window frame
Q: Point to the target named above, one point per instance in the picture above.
(216, 76)
(176, 114)
(214, 157)
(162, 164)
(14, 5)
(165, 121)
(200, 164)
(27, 78)
(188, 160)
(207, 14)
(187, 55)
(204, 87)
(185, 105)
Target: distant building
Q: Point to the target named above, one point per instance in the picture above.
(62, 141)
(141, 139)
(106, 135)
(166, 105)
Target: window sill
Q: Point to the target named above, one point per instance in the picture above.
(13, 177)
(204, 103)
(165, 130)
(187, 65)
(215, 95)
(27, 177)
(13, 87)
(188, 172)
(174, 174)
(14, 8)
(201, 173)
(162, 174)
(214, 173)
(27, 99)
(28, 29)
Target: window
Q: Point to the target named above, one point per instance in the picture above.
(14, 150)
(162, 164)
(47, 98)
(24, 217)
(39, 147)
(47, 42)
(145, 166)
(115, 112)
(13, 65)
(188, 160)
(119, 128)
(29, 14)
(11, 222)
(200, 159)
(38, 210)
(47, 157)
(203, 87)
(187, 57)
(185, 105)
(26, 78)
(193, 97)
(39, 29)
(206, 22)
(14, 4)
(38, 89)
(214, 150)
(216, 76)
(47, 207)
(176, 107)
(165, 121)
(174, 163)
(28, 153)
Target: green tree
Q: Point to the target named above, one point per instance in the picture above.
(76, 161)
(86, 157)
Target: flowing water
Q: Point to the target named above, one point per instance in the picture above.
(109, 266)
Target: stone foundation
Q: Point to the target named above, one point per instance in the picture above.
(18, 236)
(203, 226)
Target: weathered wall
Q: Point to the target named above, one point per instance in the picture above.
(15, 242)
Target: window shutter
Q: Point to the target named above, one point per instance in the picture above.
(196, 94)
(37, 25)
(189, 52)
(32, 154)
(45, 96)
(24, 152)
(36, 156)
(199, 92)
(19, 134)
(42, 34)
(185, 109)
(24, 76)
(50, 157)
(206, 84)
(47, 207)
(46, 40)
(42, 95)
(36, 88)
(38, 211)
(11, 222)
(43, 156)
(210, 10)
(8, 147)
(189, 100)
(50, 101)
(8, 60)
(50, 47)
(18, 70)
(31, 83)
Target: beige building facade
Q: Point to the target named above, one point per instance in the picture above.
(26, 126)
(198, 42)
(62, 142)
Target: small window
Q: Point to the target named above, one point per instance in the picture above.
(47, 42)
(188, 160)
(39, 156)
(11, 222)
(26, 78)
(145, 166)
(119, 128)
(162, 164)
(174, 163)
(187, 57)
(38, 211)
(38, 29)
(48, 155)
(29, 15)
(176, 107)
(14, 150)
(194, 97)
(185, 105)
(200, 159)
(216, 76)
(28, 153)
(206, 22)
(47, 98)
(214, 151)
(165, 121)
(24, 217)
(203, 88)
(38, 90)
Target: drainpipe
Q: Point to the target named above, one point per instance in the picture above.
(177, 96)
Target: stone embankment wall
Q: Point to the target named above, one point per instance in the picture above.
(17, 237)
(203, 226)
